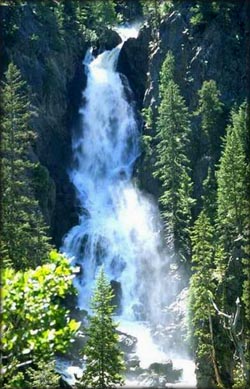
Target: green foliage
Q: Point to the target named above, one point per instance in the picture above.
(201, 290)
(233, 225)
(166, 74)
(24, 239)
(232, 178)
(35, 325)
(172, 163)
(155, 10)
(101, 15)
(44, 189)
(17, 381)
(210, 110)
(209, 197)
(129, 9)
(43, 377)
(205, 11)
(147, 114)
(104, 358)
(239, 379)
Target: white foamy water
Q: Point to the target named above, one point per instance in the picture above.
(119, 227)
(147, 351)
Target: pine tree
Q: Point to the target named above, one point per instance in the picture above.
(104, 358)
(233, 222)
(210, 110)
(102, 15)
(209, 197)
(24, 241)
(202, 288)
(232, 179)
(172, 163)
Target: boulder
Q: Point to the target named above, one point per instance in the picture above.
(127, 342)
(132, 361)
(161, 368)
(152, 380)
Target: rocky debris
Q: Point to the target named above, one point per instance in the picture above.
(127, 342)
(165, 369)
(152, 380)
(132, 361)
(158, 374)
(161, 368)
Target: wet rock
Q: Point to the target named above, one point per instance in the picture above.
(111, 40)
(157, 375)
(161, 368)
(132, 361)
(166, 370)
(127, 342)
(152, 380)
(69, 372)
(133, 63)
(117, 289)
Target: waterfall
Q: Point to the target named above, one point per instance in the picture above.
(119, 226)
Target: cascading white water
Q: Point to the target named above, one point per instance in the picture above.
(119, 226)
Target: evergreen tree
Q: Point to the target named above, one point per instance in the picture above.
(104, 358)
(24, 241)
(232, 179)
(102, 14)
(202, 288)
(172, 163)
(43, 377)
(209, 197)
(233, 222)
(210, 110)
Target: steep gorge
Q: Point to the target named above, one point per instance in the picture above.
(54, 72)
(214, 51)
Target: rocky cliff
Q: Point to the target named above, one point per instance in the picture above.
(53, 71)
(51, 63)
(213, 50)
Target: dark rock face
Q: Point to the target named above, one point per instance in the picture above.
(54, 151)
(215, 51)
(117, 290)
(133, 63)
(55, 78)
(112, 39)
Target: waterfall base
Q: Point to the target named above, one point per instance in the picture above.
(146, 365)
